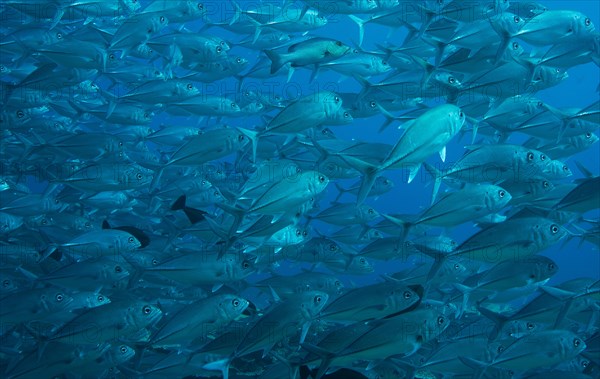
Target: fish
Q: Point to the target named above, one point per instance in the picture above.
(200, 189)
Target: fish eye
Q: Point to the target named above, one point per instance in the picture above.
(546, 184)
(87, 225)
(461, 114)
(232, 105)
(551, 266)
(517, 19)
(332, 247)
(588, 135)
(540, 104)
(441, 320)
(346, 115)
(5, 283)
(56, 201)
(451, 80)
(241, 137)
(146, 115)
(336, 99)
(146, 309)
(2, 68)
(190, 86)
(543, 157)
(123, 349)
(246, 264)
(588, 22)
(139, 176)
(162, 19)
(338, 43)
(565, 168)
(576, 342)
(111, 56)
(59, 297)
(154, 262)
(530, 156)
(100, 299)
(20, 114)
(530, 326)
(235, 302)
(321, 179)
(371, 211)
(217, 194)
(200, 6)
(337, 283)
(118, 269)
(130, 239)
(44, 221)
(456, 266)
(407, 294)
(500, 348)
(219, 49)
(554, 229)
(501, 194)
(238, 60)
(304, 233)
(362, 260)
(59, 35)
(318, 299)
(585, 364)
(515, 45)
(298, 233)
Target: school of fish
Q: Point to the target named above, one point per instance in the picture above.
(175, 203)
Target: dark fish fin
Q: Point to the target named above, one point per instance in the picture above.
(361, 28)
(437, 180)
(194, 215)
(326, 358)
(105, 225)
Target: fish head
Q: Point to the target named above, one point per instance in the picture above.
(312, 303)
(341, 117)
(557, 170)
(498, 197)
(338, 48)
(116, 271)
(142, 315)
(53, 300)
(508, 23)
(582, 25)
(546, 77)
(231, 306)
(360, 264)
(119, 354)
(97, 300)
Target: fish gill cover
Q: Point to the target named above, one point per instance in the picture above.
(299, 189)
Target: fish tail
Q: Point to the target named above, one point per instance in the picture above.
(237, 14)
(361, 28)
(341, 191)
(220, 365)
(277, 60)
(497, 318)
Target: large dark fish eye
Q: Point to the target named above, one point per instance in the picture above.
(219, 49)
(123, 349)
(500, 349)
(139, 176)
(332, 247)
(515, 45)
(373, 104)
(338, 43)
(118, 269)
(154, 262)
(441, 320)
(346, 115)
(59, 297)
(551, 266)
(530, 326)
(318, 299)
(146, 309)
(576, 342)
(298, 233)
(130, 239)
(238, 60)
(565, 168)
(162, 19)
(588, 22)
(200, 6)
(20, 114)
(554, 229)
(5, 283)
(407, 294)
(246, 264)
(235, 303)
(232, 105)
(530, 156)
(336, 99)
(456, 266)
(371, 211)
(100, 299)
(241, 137)
(517, 19)
(59, 35)
(543, 157)
(190, 86)
(2, 68)
(362, 260)
(451, 80)
(588, 135)
(461, 114)
(546, 184)
(321, 179)
(501, 193)
(585, 364)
